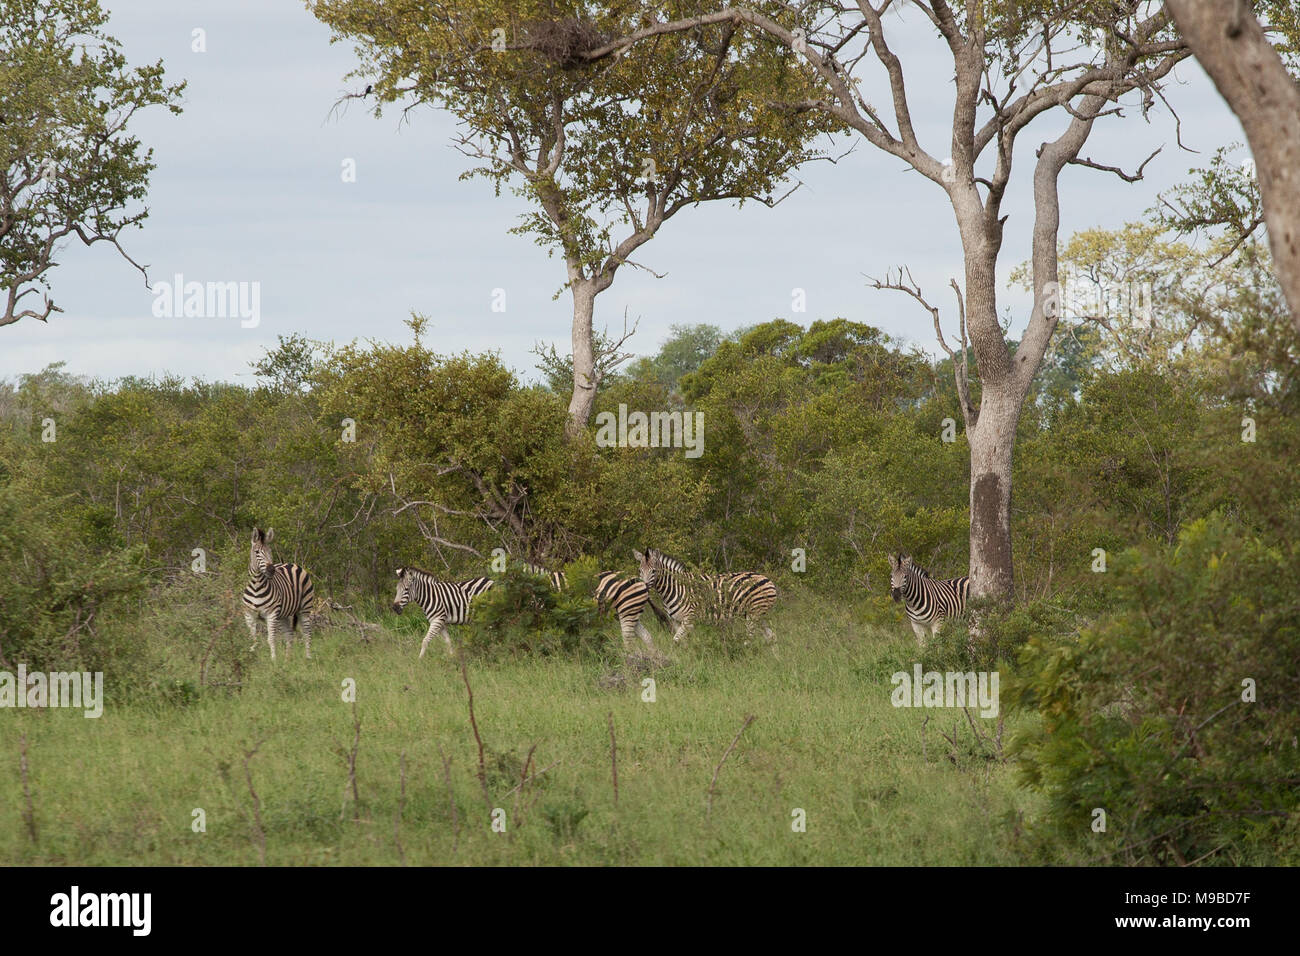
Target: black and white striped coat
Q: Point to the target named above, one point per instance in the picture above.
(280, 593)
(443, 602)
(627, 598)
(929, 602)
(556, 578)
(688, 596)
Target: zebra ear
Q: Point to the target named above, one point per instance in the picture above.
(637, 554)
(401, 571)
(257, 536)
(270, 533)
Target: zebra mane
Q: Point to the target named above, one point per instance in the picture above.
(670, 563)
(418, 573)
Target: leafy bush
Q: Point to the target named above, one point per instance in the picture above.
(522, 613)
(1176, 714)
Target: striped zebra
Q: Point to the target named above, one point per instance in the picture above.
(556, 578)
(278, 593)
(690, 595)
(628, 598)
(443, 602)
(928, 602)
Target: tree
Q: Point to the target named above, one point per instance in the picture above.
(681, 353)
(1014, 63)
(1231, 43)
(68, 166)
(605, 152)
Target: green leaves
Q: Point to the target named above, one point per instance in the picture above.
(1176, 712)
(603, 149)
(69, 164)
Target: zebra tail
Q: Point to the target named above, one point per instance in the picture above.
(664, 619)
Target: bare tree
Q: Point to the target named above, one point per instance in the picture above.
(1014, 63)
(1230, 43)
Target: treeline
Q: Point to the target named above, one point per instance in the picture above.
(823, 449)
(1156, 515)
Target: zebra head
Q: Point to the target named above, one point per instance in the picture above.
(259, 555)
(649, 565)
(403, 596)
(899, 566)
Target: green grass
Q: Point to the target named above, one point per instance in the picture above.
(875, 787)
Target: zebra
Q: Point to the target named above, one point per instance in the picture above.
(927, 600)
(628, 597)
(687, 595)
(276, 592)
(556, 578)
(443, 602)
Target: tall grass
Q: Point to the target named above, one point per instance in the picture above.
(876, 784)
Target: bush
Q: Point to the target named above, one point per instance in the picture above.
(1177, 713)
(522, 613)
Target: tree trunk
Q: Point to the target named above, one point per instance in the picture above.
(992, 440)
(584, 357)
(991, 432)
(1231, 46)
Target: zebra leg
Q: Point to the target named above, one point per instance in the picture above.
(428, 636)
(306, 633)
(682, 627)
(446, 636)
(270, 631)
(920, 631)
(628, 629)
(250, 618)
(648, 641)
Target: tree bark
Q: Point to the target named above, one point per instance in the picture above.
(992, 442)
(584, 356)
(1232, 47)
(1005, 379)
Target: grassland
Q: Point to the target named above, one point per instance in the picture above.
(875, 786)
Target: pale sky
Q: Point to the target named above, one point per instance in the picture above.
(249, 189)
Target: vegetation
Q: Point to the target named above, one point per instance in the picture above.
(1150, 710)
(69, 165)
(124, 548)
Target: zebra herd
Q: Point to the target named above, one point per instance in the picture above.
(283, 594)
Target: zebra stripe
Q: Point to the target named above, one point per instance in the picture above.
(929, 602)
(556, 578)
(443, 602)
(722, 597)
(276, 592)
(628, 598)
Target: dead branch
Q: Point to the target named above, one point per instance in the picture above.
(613, 755)
(1127, 177)
(718, 769)
(401, 805)
(451, 799)
(482, 763)
(258, 832)
(29, 814)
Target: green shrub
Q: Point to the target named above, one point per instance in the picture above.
(1150, 716)
(523, 614)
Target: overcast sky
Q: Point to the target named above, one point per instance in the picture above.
(248, 188)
